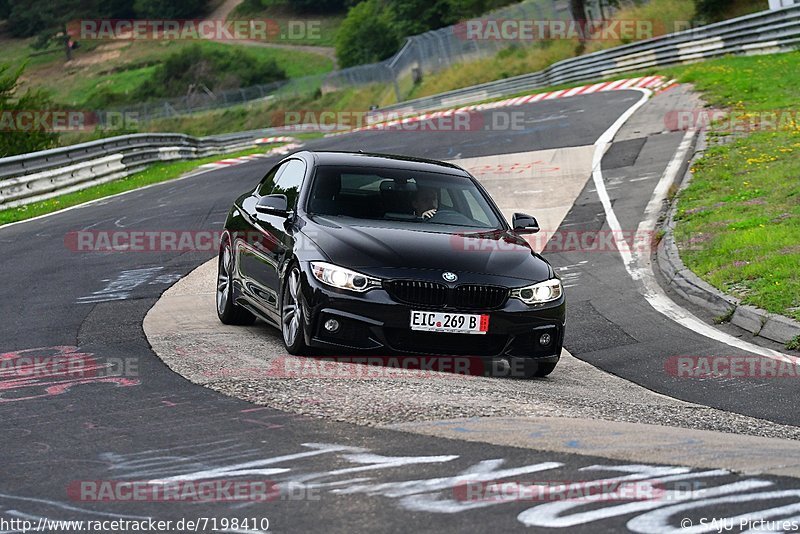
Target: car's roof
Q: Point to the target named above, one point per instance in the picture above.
(386, 161)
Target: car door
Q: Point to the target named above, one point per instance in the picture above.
(260, 253)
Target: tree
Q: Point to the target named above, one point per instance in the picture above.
(366, 35)
(418, 16)
(317, 6)
(15, 141)
(577, 10)
(47, 17)
(169, 9)
(712, 10)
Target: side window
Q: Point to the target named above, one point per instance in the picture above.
(267, 183)
(289, 181)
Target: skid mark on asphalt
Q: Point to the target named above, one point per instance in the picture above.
(571, 274)
(121, 287)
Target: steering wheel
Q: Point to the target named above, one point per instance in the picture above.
(450, 216)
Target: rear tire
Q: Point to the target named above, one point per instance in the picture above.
(227, 310)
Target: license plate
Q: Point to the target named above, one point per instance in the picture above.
(454, 323)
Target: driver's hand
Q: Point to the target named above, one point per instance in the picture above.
(428, 214)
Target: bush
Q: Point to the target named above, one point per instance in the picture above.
(20, 142)
(217, 69)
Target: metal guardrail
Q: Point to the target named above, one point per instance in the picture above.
(41, 175)
(759, 33)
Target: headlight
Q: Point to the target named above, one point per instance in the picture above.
(342, 278)
(539, 293)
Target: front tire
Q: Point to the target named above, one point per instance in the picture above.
(227, 310)
(292, 317)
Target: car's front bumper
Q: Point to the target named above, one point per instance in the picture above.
(374, 322)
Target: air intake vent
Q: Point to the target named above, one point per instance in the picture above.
(475, 297)
(417, 292)
(478, 297)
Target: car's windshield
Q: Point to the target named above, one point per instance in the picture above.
(400, 195)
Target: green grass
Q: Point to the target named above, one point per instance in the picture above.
(121, 67)
(159, 172)
(753, 83)
(739, 219)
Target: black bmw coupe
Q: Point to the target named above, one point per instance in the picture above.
(366, 252)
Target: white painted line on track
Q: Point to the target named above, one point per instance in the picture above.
(637, 265)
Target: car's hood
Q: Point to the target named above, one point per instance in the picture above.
(376, 249)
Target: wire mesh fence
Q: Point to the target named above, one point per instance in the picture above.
(207, 100)
(439, 49)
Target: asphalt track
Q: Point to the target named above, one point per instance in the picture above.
(152, 424)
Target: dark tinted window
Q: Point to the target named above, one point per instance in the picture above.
(268, 181)
(415, 197)
(285, 180)
(289, 181)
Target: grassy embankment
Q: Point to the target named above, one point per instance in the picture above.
(119, 67)
(739, 219)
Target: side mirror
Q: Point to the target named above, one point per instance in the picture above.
(273, 205)
(524, 224)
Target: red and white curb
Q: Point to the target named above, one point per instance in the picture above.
(292, 144)
(272, 140)
(654, 83)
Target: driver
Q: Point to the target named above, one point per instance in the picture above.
(425, 203)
